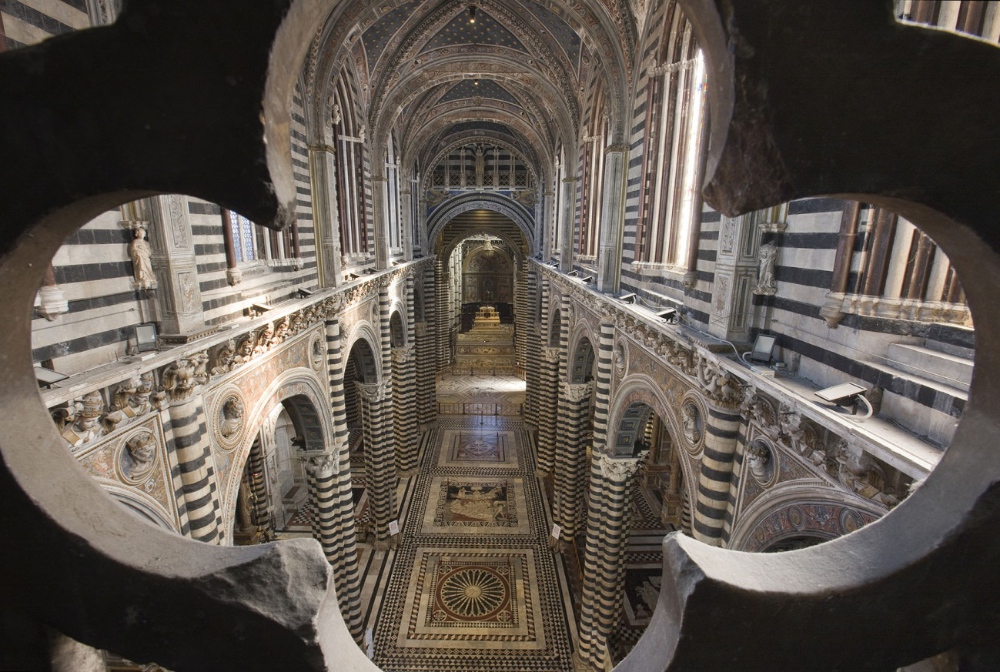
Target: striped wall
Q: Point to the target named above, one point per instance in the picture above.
(27, 22)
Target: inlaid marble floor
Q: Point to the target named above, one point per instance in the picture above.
(473, 585)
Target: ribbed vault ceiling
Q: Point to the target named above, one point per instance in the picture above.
(515, 70)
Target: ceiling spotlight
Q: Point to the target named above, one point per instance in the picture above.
(472, 13)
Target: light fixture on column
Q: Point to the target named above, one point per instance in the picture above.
(472, 13)
(627, 298)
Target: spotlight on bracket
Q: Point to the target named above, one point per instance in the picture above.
(257, 309)
(628, 298)
(589, 279)
(304, 293)
(573, 274)
(472, 13)
(847, 394)
(667, 314)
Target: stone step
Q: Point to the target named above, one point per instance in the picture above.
(940, 367)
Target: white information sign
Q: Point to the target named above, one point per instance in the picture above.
(393, 527)
(556, 531)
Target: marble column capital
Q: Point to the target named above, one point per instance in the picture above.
(550, 354)
(403, 354)
(371, 392)
(576, 391)
(619, 468)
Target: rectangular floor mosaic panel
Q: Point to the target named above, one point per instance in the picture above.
(467, 505)
(476, 447)
(472, 598)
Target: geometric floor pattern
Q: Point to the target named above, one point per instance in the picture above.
(473, 586)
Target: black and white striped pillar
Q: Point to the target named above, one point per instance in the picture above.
(532, 354)
(722, 428)
(188, 439)
(380, 468)
(570, 473)
(608, 526)
(548, 401)
(602, 390)
(443, 319)
(343, 545)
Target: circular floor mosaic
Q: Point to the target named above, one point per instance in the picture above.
(473, 594)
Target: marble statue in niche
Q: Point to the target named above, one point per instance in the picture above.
(765, 274)
(758, 458)
(142, 268)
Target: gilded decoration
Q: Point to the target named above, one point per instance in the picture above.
(816, 519)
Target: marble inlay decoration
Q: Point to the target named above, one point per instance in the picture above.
(487, 597)
(462, 505)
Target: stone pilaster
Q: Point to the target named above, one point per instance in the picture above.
(609, 254)
(381, 221)
(735, 278)
(326, 213)
(569, 186)
(610, 494)
(172, 257)
(570, 473)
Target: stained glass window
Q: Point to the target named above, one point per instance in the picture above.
(242, 237)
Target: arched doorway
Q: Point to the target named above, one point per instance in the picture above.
(273, 496)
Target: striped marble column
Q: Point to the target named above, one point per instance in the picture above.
(258, 486)
(430, 312)
(548, 401)
(404, 401)
(722, 427)
(570, 473)
(531, 355)
(343, 545)
(380, 467)
(602, 391)
(608, 523)
(321, 473)
(404, 393)
(443, 318)
(188, 439)
(739, 469)
(521, 318)
(424, 355)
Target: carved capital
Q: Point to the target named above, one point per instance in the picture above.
(550, 354)
(371, 393)
(181, 377)
(325, 465)
(618, 468)
(402, 355)
(576, 392)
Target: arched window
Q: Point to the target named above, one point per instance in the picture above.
(348, 139)
(592, 178)
(675, 128)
